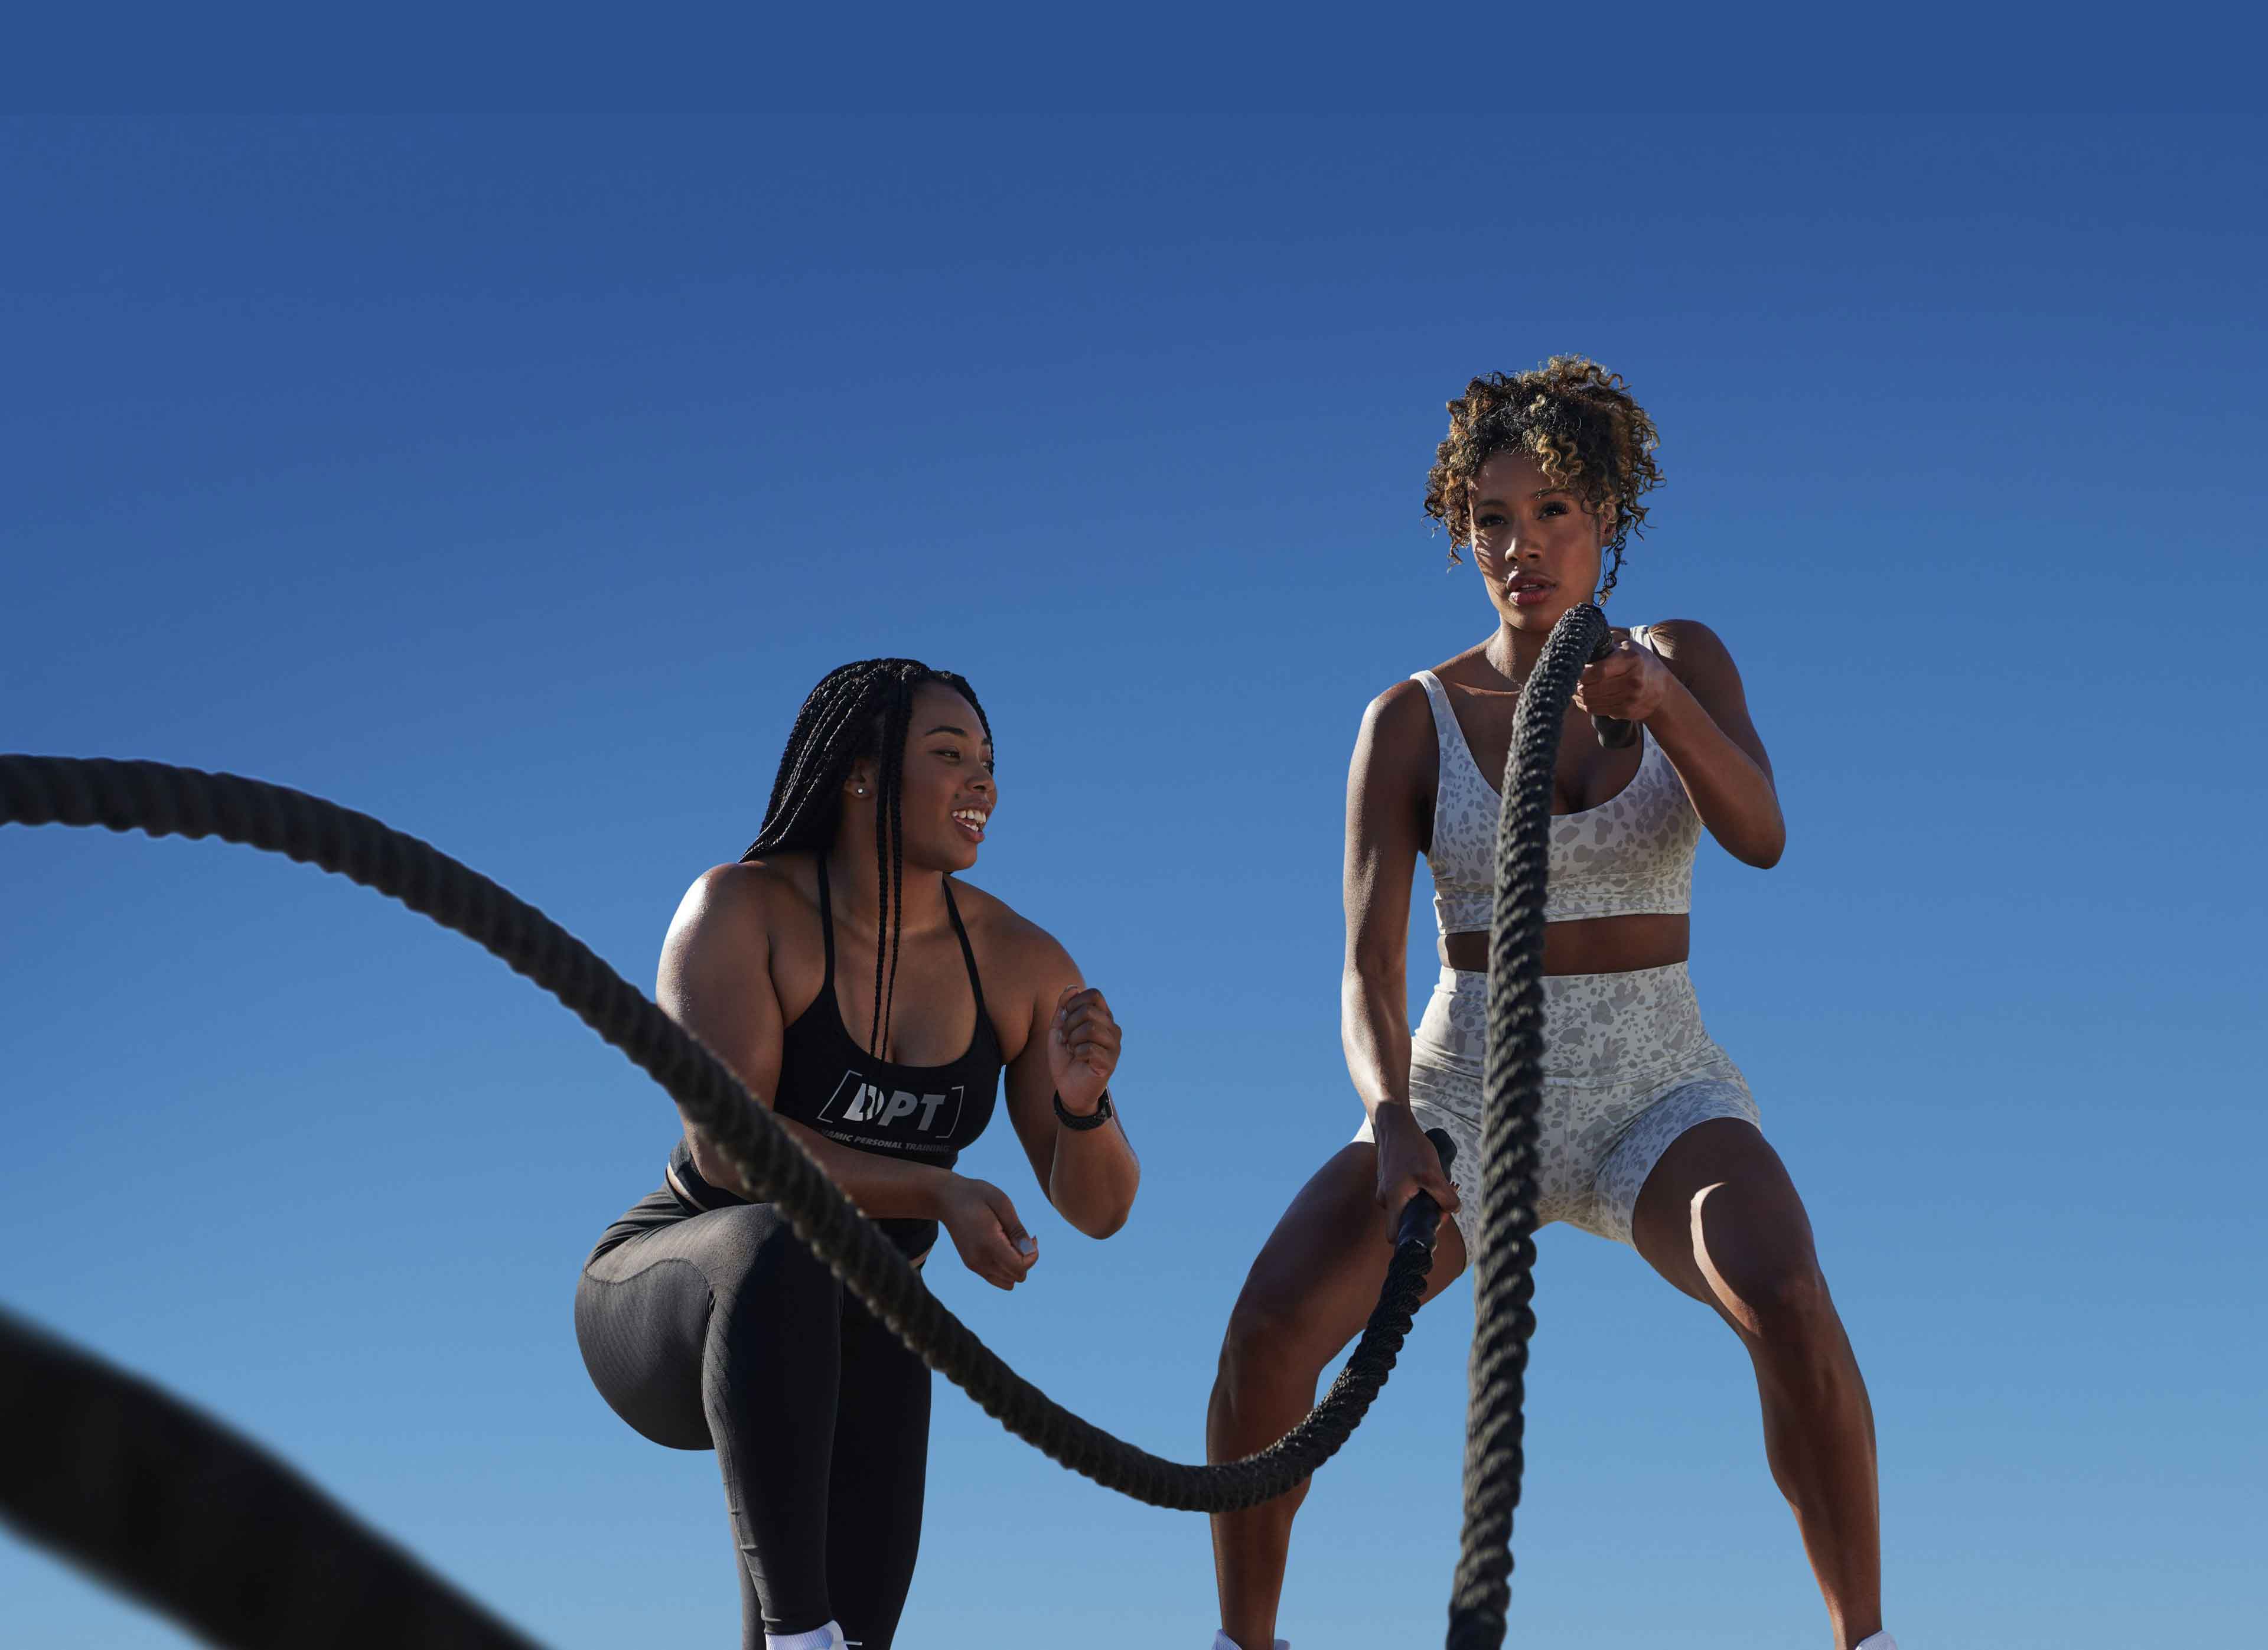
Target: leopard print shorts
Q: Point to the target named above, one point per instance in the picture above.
(1627, 1068)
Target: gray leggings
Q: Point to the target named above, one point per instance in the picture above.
(719, 1330)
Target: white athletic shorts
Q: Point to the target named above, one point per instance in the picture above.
(1627, 1068)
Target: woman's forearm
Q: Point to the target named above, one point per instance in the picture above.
(883, 1188)
(1094, 1176)
(1733, 796)
(1374, 1031)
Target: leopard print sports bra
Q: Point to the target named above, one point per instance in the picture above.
(1632, 853)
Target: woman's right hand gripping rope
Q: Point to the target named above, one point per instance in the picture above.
(1407, 1162)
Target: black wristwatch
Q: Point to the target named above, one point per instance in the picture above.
(1073, 1120)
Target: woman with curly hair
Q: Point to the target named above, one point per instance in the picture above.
(1649, 1135)
(873, 1001)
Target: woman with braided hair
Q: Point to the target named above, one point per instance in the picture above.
(873, 1001)
(1648, 1133)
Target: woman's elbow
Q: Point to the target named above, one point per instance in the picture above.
(1764, 850)
(1103, 1217)
(1107, 1224)
(1102, 1222)
(1370, 972)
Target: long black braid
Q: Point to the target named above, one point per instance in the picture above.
(864, 709)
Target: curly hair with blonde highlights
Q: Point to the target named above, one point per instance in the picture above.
(1576, 420)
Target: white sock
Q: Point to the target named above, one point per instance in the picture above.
(827, 1638)
(1876, 1641)
(1222, 1641)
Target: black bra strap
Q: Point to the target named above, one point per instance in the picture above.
(827, 925)
(968, 952)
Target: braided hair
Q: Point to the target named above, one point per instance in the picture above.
(1577, 420)
(858, 710)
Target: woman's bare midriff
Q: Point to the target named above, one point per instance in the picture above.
(1596, 944)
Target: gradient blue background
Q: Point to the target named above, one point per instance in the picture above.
(514, 482)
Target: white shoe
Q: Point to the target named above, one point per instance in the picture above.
(1222, 1641)
(1876, 1641)
(827, 1638)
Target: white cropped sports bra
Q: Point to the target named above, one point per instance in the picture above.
(1633, 854)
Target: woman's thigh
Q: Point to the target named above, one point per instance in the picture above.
(1316, 1279)
(1721, 1219)
(655, 1316)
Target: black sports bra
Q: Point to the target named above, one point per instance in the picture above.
(828, 1083)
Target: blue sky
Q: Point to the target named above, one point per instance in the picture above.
(513, 480)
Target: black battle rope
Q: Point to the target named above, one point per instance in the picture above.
(1512, 1088)
(180, 1512)
(164, 800)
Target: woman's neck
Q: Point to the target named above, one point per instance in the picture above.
(1512, 653)
(851, 883)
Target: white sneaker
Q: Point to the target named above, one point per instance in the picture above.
(1876, 1641)
(1222, 1641)
(827, 1638)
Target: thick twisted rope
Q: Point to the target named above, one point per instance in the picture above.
(165, 800)
(1503, 1263)
(170, 1506)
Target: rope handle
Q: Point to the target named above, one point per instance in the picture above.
(1613, 732)
(1421, 1216)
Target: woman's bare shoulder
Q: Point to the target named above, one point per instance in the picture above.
(748, 895)
(1401, 709)
(1017, 956)
(989, 916)
(1689, 647)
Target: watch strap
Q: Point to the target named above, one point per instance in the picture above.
(1095, 1120)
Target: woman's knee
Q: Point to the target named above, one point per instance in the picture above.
(1316, 1280)
(1749, 1237)
(642, 1338)
(1269, 1334)
(1781, 1300)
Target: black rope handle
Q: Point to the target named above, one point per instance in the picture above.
(165, 800)
(1504, 1247)
(1612, 733)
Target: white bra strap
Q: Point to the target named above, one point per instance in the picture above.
(1446, 735)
